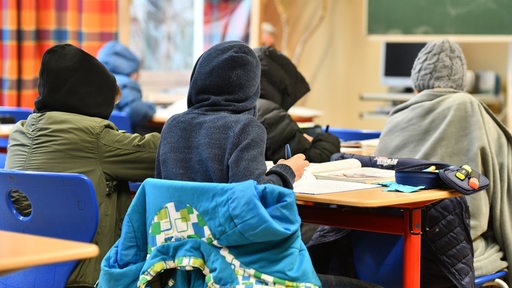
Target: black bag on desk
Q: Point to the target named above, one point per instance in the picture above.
(382, 162)
(444, 176)
(424, 174)
(430, 174)
(449, 176)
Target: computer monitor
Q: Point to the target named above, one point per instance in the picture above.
(397, 60)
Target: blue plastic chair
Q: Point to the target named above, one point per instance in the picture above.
(346, 134)
(378, 258)
(494, 279)
(17, 113)
(3, 158)
(63, 206)
(121, 120)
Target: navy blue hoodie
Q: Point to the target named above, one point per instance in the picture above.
(218, 139)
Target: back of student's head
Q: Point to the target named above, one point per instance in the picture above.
(440, 64)
(72, 80)
(225, 78)
(118, 58)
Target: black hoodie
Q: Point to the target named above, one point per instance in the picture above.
(282, 85)
(72, 80)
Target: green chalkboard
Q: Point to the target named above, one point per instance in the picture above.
(439, 17)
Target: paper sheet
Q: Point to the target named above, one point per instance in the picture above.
(317, 186)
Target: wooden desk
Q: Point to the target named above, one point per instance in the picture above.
(165, 112)
(362, 147)
(18, 251)
(368, 210)
(178, 105)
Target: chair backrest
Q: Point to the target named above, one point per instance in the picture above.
(17, 113)
(346, 134)
(3, 158)
(121, 120)
(63, 206)
(492, 280)
(378, 258)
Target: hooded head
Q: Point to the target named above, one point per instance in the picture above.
(225, 78)
(281, 82)
(118, 58)
(72, 80)
(440, 64)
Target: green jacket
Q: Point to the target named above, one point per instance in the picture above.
(67, 142)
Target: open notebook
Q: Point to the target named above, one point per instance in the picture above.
(349, 170)
(340, 176)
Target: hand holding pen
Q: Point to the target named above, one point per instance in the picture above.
(297, 162)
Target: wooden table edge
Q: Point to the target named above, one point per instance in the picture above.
(68, 251)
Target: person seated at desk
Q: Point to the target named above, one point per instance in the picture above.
(125, 65)
(282, 86)
(69, 131)
(218, 139)
(444, 123)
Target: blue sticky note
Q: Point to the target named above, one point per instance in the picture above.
(395, 187)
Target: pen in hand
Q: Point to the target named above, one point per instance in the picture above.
(297, 163)
(287, 151)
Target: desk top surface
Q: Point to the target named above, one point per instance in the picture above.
(377, 197)
(19, 250)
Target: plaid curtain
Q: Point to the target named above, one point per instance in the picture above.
(29, 27)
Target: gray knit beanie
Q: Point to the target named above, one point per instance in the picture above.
(440, 64)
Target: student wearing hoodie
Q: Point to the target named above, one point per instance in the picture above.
(125, 65)
(218, 139)
(69, 131)
(282, 85)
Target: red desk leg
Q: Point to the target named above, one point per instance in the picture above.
(407, 224)
(412, 248)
